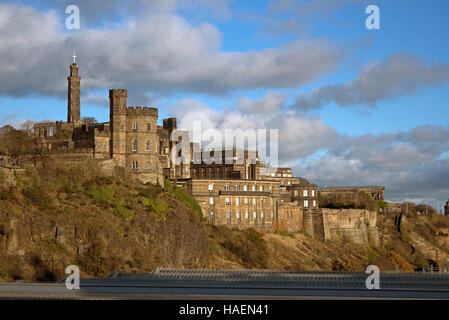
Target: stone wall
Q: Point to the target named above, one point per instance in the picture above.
(289, 218)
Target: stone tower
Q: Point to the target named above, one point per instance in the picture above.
(73, 114)
(117, 114)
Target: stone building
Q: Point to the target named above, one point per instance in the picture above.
(233, 187)
(240, 203)
(446, 208)
(353, 194)
(303, 195)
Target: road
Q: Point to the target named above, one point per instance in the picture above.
(209, 284)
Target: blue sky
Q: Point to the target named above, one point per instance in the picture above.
(226, 51)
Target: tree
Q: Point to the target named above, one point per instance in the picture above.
(15, 143)
(89, 120)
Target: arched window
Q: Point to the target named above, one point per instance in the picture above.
(135, 145)
(148, 145)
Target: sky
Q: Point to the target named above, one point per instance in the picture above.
(353, 106)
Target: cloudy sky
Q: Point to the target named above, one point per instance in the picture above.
(353, 106)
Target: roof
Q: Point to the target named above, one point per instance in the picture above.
(353, 187)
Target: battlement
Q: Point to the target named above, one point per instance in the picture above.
(118, 92)
(142, 111)
(102, 130)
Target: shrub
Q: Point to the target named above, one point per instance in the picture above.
(156, 205)
(101, 194)
(121, 211)
(189, 201)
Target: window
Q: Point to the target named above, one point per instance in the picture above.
(296, 203)
(148, 127)
(211, 200)
(237, 214)
(211, 187)
(306, 203)
(254, 201)
(261, 188)
(246, 215)
(261, 215)
(148, 145)
(272, 215)
(313, 193)
(99, 147)
(296, 193)
(211, 214)
(134, 125)
(253, 188)
(228, 215)
(237, 201)
(228, 201)
(245, 188)
(271, 201)
(105, 147)
(135, 145)
(236, 188)
(261, 202)
(226, 187)
(255, 215)
(246, 201)
(134, 165)
(305, 193)
(314, 203)
(288, 182)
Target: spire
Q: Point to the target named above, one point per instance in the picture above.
(74, 57)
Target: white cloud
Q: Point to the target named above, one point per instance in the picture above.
(161, 53)
(399, 75)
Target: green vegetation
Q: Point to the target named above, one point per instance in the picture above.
(121, 210)
(185, 198)
(156, 205)
(101, 194)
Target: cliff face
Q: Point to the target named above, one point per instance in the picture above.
(55, 216)
(101, 227)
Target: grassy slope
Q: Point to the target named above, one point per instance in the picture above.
(56, 216)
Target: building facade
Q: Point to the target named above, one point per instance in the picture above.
(233, 187)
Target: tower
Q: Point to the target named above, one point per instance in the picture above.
(117, 115)
(73, 108)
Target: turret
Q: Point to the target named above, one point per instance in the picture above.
(117, 114)
(73, 99)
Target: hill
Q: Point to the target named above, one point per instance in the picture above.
(52, 216)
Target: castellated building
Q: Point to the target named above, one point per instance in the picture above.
(239, 192)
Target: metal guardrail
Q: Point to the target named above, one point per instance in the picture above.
(271, 279)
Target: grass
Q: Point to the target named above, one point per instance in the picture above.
(121, 210)
(101, 194)
(156, 205)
